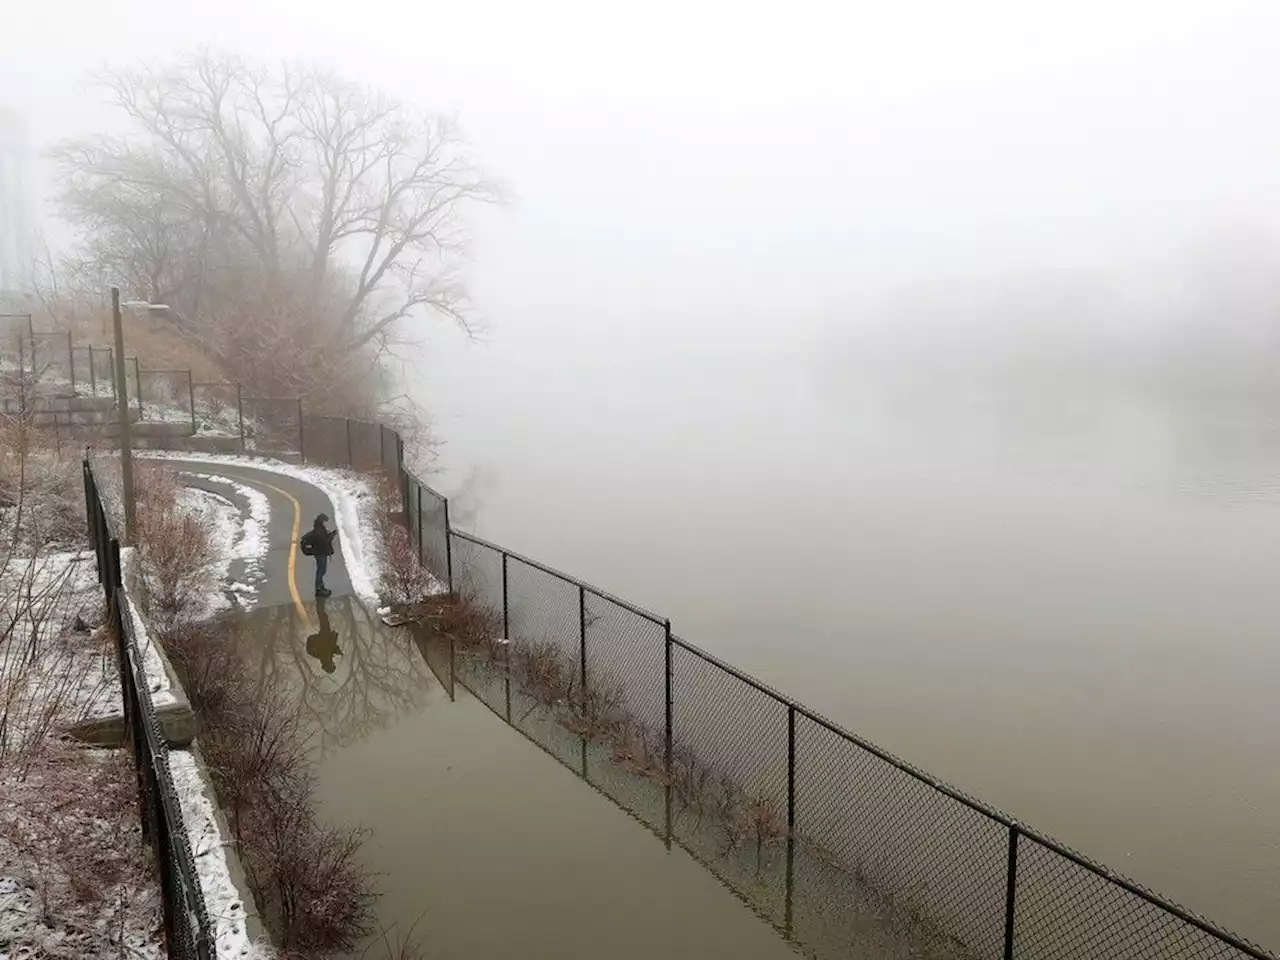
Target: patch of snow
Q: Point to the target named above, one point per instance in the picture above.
(18, 910)
(252, 543)
(222, 898)
(153, 666)
(223, 519)
(353, 498)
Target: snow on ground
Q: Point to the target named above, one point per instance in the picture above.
(354, 500)
(74, 880)
(153, 665)
(73, 667)
(235, 536)
(222, 898)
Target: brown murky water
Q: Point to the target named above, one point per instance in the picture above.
(1064, 604)
(485, 846)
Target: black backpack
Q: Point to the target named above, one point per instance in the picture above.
(308, 544)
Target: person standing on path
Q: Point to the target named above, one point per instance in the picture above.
(318, 542)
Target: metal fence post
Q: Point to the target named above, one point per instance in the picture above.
(448, 548)
(582, 639)
(351, 451)
(191, 393)
(137, 380)
(93, 378)
(506, 631)
(302, 440)
(420, 551)
(667, 754)
(1011, 892)
(382, 446)
(240, 412)
(71, 361)
(111, 365)
(452, 655)
(791, 811)
(402, 473)
(22, 377)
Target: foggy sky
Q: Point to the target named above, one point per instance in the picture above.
(696, 173)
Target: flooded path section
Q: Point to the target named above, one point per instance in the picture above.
(477, 837)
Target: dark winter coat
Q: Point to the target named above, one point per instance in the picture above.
(321, 541)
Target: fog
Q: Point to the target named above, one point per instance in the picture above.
(917, 356)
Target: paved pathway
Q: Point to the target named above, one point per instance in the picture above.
(288, 576)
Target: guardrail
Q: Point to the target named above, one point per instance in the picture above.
(855, 850)
(188, 933)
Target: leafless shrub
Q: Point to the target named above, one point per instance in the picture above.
(307, 876)
(176, 554)
(403, 581)
(595, 712)
(404, 946)
(543, 672)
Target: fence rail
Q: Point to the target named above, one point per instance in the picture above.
(212, 410)
(867, 840)
(189, 935)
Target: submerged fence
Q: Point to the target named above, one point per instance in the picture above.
(854, 851)
(188, 932)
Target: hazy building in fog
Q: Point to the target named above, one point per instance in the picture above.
(15, 202)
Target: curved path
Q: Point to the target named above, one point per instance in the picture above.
(287, 575)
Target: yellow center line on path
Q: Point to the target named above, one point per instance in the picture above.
(293, 551)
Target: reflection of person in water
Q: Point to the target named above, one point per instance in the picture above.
(324, 644)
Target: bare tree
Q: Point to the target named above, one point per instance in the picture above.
(242, 189)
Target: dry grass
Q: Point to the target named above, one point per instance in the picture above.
(69, 833)
(41, 492)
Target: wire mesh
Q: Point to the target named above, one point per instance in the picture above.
(101, 371)
(477, 576)
(86, 382)
(432, 521)
(365, 446)
(50, 358)
(542, 608)
(1065, 911)
(271, 425)
(325, 440)
(411, 513)
(625, 650)
(729, 777)
(390, 445)
(167, 396)
(187, 927)
(217, 408)
(188, 932)
(930, 863)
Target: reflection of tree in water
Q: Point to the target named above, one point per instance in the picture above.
(350, 675)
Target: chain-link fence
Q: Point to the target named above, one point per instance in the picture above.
(215, 411)
(189, 934)
(842, 846)
(218, 409)
(273, 425)
(100, 369)
(427, 514)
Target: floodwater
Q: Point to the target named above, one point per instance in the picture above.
(482, 845)
(1061, 600)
